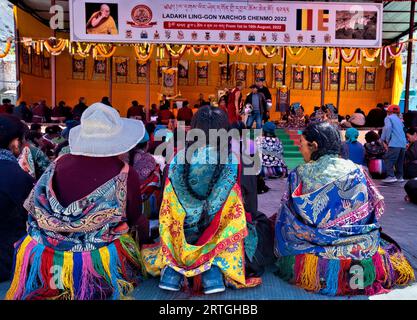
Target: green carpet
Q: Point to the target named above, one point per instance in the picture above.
(292, 155)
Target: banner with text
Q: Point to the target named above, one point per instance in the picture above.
(227, 22)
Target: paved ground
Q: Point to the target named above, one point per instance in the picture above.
(399, 221)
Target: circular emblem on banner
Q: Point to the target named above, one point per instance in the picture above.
(141, 15)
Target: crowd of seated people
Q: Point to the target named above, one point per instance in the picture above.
(99, 199)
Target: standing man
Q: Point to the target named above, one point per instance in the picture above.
(79, 109)
(234, 100)
(258, 102)
(268, 97)
(395, 141)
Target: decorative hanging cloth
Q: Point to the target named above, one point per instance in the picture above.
(6, 50)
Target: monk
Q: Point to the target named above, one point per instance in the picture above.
(101, 22)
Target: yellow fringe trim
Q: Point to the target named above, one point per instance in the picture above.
(67, 273)
(18, 269)
(309, 276)
(403, 268)
(105, 259)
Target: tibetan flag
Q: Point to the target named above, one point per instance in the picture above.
(304, 19)
(323, 20)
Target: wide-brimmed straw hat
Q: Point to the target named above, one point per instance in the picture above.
(103, 133)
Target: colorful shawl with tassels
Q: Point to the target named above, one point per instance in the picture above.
(33, 161)
(329, 240)
(80, 252)
(221, 244)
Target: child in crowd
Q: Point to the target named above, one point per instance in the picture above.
(374, 155)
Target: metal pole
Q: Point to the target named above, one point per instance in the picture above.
(148, 90)
(409, 57)
(323, 77)
(227, 67)
(284, 69)
(111, 81)
(53, 70)
(17, 53)
(339, 82)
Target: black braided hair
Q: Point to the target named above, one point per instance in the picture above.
(327, 137)
(206, 118)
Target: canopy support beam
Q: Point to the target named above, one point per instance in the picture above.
(339, 83)
(53, 70)
(323, 77)
(409, 57)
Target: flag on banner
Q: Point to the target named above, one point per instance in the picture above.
(323, 20)
(304, 19)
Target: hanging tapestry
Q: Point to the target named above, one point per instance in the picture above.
(141, 71)
(315, 78)
(278, 74)
(298, 77)
(46, 64)
(121, 65)
(351, 78)
(225, 73)
(36, 64)
(183, 67)
(169, 81)
(241, 73)
(370, 78)
(283, 99)
(25, 64)
(78, 67)
(160, 65)
(259, 71)
(388, 76)
(100, 69)
(333, 81)
(202, 72)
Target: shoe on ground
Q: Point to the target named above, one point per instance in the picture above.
(170, 279)
(213, 281)
(400, 180)
(389, 180)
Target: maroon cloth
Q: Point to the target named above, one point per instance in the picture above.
(6, 108)
(77, 176)
(164, 116)
(185, 114)
(136, 111)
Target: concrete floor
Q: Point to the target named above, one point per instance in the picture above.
(399, 221)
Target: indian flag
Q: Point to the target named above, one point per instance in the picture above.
(305, 19)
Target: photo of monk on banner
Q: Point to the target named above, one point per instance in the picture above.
(102, 21)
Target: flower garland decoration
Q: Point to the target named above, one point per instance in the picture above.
(57, 49)
(249, 50)
(371, 56)
(175, 50)
(232, 49)
(101, 51)
(5, 52)
(348, 58)
(197, 50)
(83, 52)
(269, 51)
(143, 51)
(214, 50)
(297, 56)
(398, 52)
(332, 55)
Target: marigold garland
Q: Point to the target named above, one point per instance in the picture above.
(269, 51)
(102, 52)
(83, 52)
(6, 50)
(215, 50)
(249, 50)
(296, 56)
(232, 49)
(56, 49)
(370, 56)
(348, 57)
(143, 51)
(332, 55)
(197, 50)
(175, 50)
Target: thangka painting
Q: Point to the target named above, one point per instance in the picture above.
(169, 81)
(283, 99)
(78, 68)
(298, 77)
(259, 71)
(370, 79)
(100, 69)
(202, 72)
(388, 76)
(161, 64)
(183, 68)
(121, 65)
(46, 64)
(351, 79)
(36, 65)
(333, 80)
(278, 75)
(25, 65)
(315, 78)
(225, 72)
(241, 73)
(141, 71)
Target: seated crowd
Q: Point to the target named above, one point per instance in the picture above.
(99, 202)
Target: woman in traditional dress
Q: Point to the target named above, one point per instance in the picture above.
(79, 214)
(273, 165)
(328, 239)
(205, 232)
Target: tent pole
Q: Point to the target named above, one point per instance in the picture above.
(409, 57)
(323, 77)
(53, 70)
(339, 82)
(148, 90)
(111, 80)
